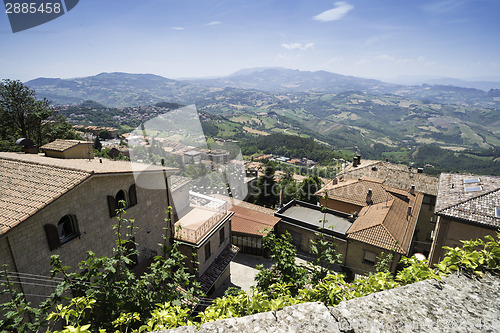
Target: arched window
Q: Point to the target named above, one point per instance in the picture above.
(65, 230)
(119, 197)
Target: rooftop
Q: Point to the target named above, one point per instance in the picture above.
(455, 188)
(95, 165)
(395, 175)
(388, 225)
(311, 216)
(26, 187)
(62, 145)
(248, 221)
(476, 206)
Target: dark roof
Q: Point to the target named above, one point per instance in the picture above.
(480, 209)
(63, 145)
(311, 216)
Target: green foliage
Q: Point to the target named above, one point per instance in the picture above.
(267, 190)
(325, 258)
(384, 262)
(284, 270)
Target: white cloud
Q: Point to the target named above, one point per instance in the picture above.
(443, 6)
(341, 9)
(177, 28)
(297, 46)
(214, 23)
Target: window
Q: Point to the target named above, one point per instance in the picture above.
(497, 212)
(66, 230)
(473, 189)
(208, 251)
(472, 181)
(222, 238)
(369, 258)
(132, 196)
(120, 196)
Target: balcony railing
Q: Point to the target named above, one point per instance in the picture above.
(203, 215)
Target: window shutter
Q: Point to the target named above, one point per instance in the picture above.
(111, 206)
(132, 195)
(52, 236)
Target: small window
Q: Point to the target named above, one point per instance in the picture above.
(369, 258)
(473, 189)
(497, 212)
(208, 251)
(132, 196)
(472, 181)
(67, 228)
(222, 237)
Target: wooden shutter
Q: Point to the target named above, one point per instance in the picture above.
(52, 236)
(111, 206)
(132, 196)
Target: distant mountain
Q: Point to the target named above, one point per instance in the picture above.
(123, 89)
(482, 85)
(282, 80)
(114, 89)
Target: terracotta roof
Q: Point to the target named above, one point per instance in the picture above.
(386, 224)
(354, 191)
(480, 209)
(26, 187)
(395, 175)
(62, 145)
(453, 188)
(252, 222)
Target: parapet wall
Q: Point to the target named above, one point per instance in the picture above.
(457, 304)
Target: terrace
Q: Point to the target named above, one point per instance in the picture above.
(197, 220)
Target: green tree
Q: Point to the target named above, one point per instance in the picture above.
(22, 111)
(97, 143)
(267, 189)
(308, 187)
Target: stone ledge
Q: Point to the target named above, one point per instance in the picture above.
(457, 304)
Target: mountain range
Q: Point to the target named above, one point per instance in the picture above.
(123, 89)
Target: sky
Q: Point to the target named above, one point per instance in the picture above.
(379, 39)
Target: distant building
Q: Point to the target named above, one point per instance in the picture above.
(467, 207)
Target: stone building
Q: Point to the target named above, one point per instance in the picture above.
(468, 207)
(67, 206)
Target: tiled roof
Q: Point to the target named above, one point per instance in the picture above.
(251, 222)
(480, 209)
(62, 145)
(396, 175)
(354, 191)
(235, 202)
(453, 188)
(26, 187)
(386, 224)
(176, 182)
(210, 276)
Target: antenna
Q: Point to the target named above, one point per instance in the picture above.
(89, 145)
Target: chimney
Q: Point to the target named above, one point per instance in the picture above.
(359, 159)
(420, 170)
(412, 190)
(369, 195)
(409, 212)
(355, 161)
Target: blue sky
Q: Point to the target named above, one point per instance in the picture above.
(188, 38)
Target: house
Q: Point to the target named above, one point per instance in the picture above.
(396, 176)
(59, 206)
(467, 207)
(69, 149)
(203, 227)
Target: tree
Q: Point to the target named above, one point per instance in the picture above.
(266, 189)
(21, 111)
(308, 187)
(97, 143)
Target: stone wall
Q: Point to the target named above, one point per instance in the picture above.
(457, 304)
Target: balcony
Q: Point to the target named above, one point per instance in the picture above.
(202, 215)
